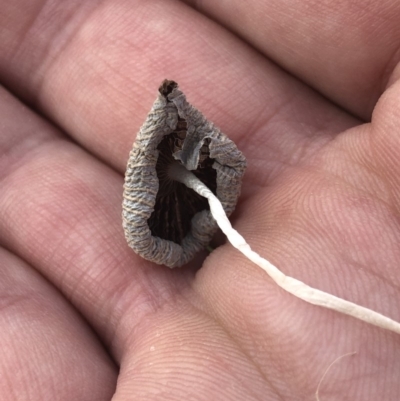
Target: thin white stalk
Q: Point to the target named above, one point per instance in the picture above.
(290, 284)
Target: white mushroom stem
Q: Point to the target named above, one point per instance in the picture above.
(290, 284)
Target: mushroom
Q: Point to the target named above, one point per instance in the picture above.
(183, 178)
(165, 221)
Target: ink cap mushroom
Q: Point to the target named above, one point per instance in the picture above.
(177, 152)
(165, 221)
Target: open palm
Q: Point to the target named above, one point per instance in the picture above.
(291, 82)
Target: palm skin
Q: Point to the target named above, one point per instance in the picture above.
(321, 200)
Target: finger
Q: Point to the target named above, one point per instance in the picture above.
(61, 211)
(346, 50)
(44, 340)
(384, 146)
(285, 336)
(180, 352)
(100, 87)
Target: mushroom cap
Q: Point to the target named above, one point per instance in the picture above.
(164, 221)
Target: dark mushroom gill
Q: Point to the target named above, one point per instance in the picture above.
(176, 204)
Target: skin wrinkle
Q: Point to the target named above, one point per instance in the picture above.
(386, 75)
(207, 311)
(7, 302)
(247, 355)
(304, 155)
(370, 274)
(119, 337)
(150, 304)
(243, 351)
(62, 38)
(236, 339)
(38, 320)
(324, 266)
(227, 334)
(25, 33)
(325, 168)
(357, 188)
(14, 156)
(390, 197)
(259, 368)
(385, 144)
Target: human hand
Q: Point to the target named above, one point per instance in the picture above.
(320, 199)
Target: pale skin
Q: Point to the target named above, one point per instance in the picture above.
(321, 200)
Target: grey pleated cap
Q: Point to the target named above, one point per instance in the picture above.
(164, 221)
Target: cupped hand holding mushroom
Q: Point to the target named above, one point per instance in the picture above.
(320, 200)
